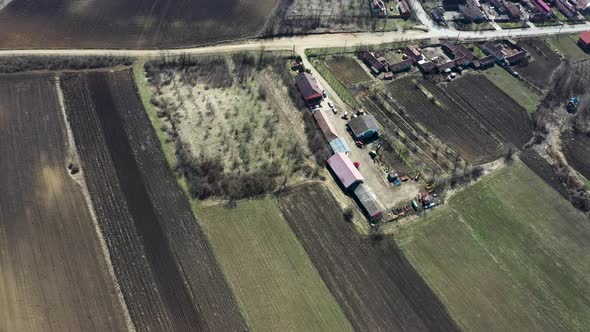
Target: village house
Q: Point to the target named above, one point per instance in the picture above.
(309, 89)
(459, 53)
(516, 57)
(344, 170)
(364, 127)
(403, 8)
(414, 52)
(543, 7)
(401, 66)
(566, 8)
(472, 12)
(583, 6)
(584, 41)
(485, 62)
(493, 50)
(426, 67)
(377, 64)
(513, 10)
(378, 8)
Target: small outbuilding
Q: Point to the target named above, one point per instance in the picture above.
(369, 201)
(364, 127)
(325, 125)
(309, 88)
(584, 41)
(339, 145)
(344, 169)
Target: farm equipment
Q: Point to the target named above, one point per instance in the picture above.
(394, 178)
(373, 154)
(357, 164)
(345, 116)
(572, 105)
(359, 144)
(414, 205)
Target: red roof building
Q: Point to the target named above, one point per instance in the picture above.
(344, 170)
(309, 88)
(325, 125)
(543, 6)
(584, 41)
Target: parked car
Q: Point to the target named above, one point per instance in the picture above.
(330, 104)
(324, 94)
(335, 111)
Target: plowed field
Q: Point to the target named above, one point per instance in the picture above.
(168, 275)
(54, 273)
(372, 281)
(471, 115)
(577, 151)
(129, 23)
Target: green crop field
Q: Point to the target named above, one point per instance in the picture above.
(508, 253)
(514, 88)
(274, 281)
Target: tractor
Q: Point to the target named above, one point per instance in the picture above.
(572, 105)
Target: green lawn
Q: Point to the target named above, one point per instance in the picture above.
(275, 282)
(507, 254)
(567, 46)
(517, 90)
(512, 25)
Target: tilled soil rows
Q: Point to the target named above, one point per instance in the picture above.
(128, 24)
(168, 275)
(577, 152)
(54, 274)
(371, 279)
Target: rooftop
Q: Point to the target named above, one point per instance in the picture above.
(344, 169)
(325, 125)
(362, 123)
(308, 86)
(585, 37)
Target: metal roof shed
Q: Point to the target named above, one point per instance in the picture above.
(339, 145)
(369, 201)
(325, 125)
(364, 126)
(345, 170)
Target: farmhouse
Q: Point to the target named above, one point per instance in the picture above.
(542, 6)
(414, 53)
(516, 57)
(378, 8)
(583, 6)
(377, 64)
(401, 66)
(483, 63)
(458, 52)
(369, 201)
(513, 10)
(493, 50)
(404, 9)
(309, 88)
(364, 127)
(345, 170)
(325, 125)
(566, 8)
(339, 145)
(426, 67)
(471, 11)
(499, 6)
(584, 40)
(446, 66)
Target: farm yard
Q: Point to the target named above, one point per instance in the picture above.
(275, 282)
(370, 278)
(506, 253)
(165, 267)
(129, 24)
(235, 130)
(568, 47)
(55, 270)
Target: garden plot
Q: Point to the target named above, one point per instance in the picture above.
(538, 71)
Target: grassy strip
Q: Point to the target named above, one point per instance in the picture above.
(522, 94)
(508, 252)
(338, 87)
(145, 94)
(568, 47)
(513, 25)
(275, 282)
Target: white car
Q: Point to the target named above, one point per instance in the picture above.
(330, 104)
(335, 111)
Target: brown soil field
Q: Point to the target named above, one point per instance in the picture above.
(492, 108)
(54, 271)
(347, 70)
(538, 71)
(544, 170)
(577, 152)
(450, 123)
(128, 24)
(373, 282)
(168, 275)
